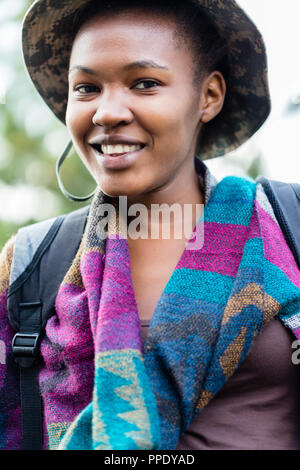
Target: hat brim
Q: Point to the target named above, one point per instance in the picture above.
(47, 36)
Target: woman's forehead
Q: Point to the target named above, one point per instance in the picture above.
(138, 36)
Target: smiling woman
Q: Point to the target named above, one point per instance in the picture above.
(127, 94)
(147, 341)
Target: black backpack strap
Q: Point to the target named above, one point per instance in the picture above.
(43, 254)
(285, 200)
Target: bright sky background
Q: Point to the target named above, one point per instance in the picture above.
(279, 138)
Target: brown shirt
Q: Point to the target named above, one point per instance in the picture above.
(258, 407)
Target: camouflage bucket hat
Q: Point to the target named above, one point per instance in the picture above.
(47, 38)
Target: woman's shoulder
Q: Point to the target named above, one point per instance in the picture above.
(20, 249)
(6, 257)
(30, 243)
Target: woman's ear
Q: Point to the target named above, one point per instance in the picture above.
(213, 95)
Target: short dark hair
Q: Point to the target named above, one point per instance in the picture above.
(194, 28)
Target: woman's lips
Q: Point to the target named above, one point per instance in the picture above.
(118, 161)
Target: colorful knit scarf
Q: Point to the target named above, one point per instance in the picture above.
(103, 389)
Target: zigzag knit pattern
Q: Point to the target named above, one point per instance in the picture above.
(100, 389)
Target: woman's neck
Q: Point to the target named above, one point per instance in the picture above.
(178, 205)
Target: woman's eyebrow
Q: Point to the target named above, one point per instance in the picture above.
(82, 69)
(142, 64)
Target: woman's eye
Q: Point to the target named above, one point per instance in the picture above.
(85, 89)
(145, 84)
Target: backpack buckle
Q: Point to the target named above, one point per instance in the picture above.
(25, 344)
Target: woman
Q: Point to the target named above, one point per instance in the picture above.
(147, 92)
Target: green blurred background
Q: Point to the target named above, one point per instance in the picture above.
(31, 138)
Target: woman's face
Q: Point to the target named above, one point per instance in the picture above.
(133, 112)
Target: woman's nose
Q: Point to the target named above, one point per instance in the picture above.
(112, 110)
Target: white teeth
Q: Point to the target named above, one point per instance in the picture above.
(111, 149)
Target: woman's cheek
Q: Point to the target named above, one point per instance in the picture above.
(77, 119)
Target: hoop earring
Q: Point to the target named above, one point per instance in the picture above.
(66, 193)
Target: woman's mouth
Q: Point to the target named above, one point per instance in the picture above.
(118, 156)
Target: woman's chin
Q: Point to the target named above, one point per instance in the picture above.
(119, 190)
(133, 187)
(133, 196)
